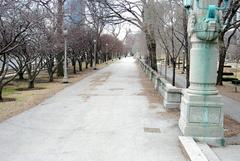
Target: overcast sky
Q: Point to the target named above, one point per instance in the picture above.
(125, 27)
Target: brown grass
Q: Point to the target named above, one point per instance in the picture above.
(232, 127)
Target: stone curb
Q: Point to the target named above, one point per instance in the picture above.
(196, 152)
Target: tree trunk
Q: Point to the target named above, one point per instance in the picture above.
(151, 44)
(59, 37)
(179, 62)
(186, 41)
(168, 60)
(187, 69)
(91, 61)
(222, 56)
(98, 59)
(80, 65)
(183, 63)
(86, 65)
(30, 84)
(74, 66)
(51, 77)
(1, 92)
(60, 71)
(50, 71)
(74, 69)
(166, 65)
(174, 72)
(20, 75)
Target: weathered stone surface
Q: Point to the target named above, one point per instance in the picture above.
(172, 97)
(171, 94)
(202, 119)
(201, 106)
(191, 149)
(104, 117)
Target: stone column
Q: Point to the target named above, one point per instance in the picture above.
(201, 106)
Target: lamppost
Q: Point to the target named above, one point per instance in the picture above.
(201, 106)
(65, 78)
(94, 54)
(106, 53)
(183, 61)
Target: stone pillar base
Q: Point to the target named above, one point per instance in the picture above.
(202, 118)
(172, 97)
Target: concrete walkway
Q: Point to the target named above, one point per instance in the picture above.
(112, 115)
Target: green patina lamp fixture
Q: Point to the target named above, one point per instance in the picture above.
(208, 26)
(201, 106)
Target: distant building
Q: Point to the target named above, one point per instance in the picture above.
(75, 12)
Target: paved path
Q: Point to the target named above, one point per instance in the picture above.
(231, 107)
(112, 115)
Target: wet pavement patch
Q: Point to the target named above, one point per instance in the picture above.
(173, 114)
(100, 79)
(151, 130)
(116, 89)
(153, 106)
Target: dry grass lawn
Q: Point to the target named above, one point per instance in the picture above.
(232, 127)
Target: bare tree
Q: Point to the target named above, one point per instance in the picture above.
(17, 22)
(97, 16)
(17, 62)
(137, 13)
(12, 31)
(230, 25)
(114, 47)
(169, 31)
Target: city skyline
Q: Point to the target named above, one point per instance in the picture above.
(75, 9)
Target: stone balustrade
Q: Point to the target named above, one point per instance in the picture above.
(171, 94)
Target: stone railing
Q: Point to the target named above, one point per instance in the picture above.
(171, 94)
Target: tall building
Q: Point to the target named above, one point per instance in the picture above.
(75, 11)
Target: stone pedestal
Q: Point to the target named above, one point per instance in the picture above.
(202, 118)
(201, 105)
